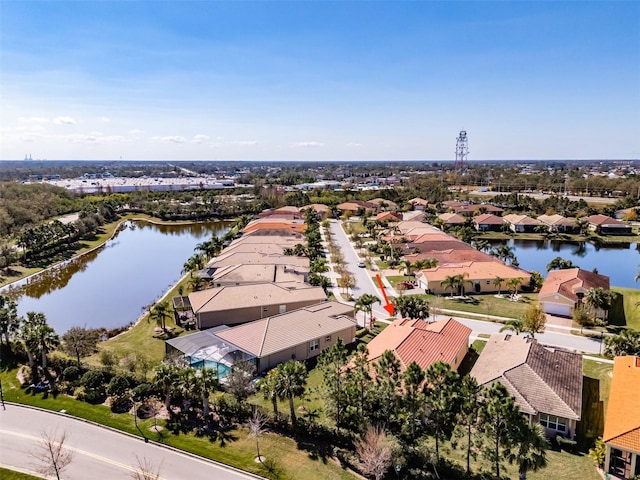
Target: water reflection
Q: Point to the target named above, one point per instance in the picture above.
(109, 286)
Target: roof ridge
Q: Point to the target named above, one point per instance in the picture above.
(264, 335)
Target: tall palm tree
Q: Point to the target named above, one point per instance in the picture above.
(9, 319)
(514, 284)
(407, 267)
(598, 299)
(292, 382)
(365, 304)
(166, 378)
(530, 450)
(515, 326)
(48, 340)
(159, 313)
(497, 282)
(268, 385)
(207, 379)
(449, 282)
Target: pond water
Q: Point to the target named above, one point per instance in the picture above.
(620, 262)
(111, 286)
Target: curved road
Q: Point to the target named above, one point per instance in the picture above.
(99, 453)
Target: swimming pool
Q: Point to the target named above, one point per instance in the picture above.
(223, 369)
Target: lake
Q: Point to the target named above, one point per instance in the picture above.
(111, 286)
(618, 262)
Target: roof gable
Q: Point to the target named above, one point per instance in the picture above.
(622, 422)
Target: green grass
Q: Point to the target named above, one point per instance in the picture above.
(626, 312)
(596, 387)
(488, 304)
(285, 456)
(7, 474)
(394, 279)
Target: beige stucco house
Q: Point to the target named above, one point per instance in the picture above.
(564, 289)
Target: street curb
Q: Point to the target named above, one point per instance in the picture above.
(143, 439)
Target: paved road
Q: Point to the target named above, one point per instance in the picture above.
(366, 285)
(100, 453)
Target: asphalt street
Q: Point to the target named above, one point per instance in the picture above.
(365, 284)
(99, 453)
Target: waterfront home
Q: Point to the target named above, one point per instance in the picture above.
(288, 212)
(488, 222)
(546, 382)
(622, 421)
(422, 342)
(234, 304)
(473, 209)
(452, 219)
(275, 223)
(243, 274)
(564, 289)
(296, 335)
(478, 277)
(522, 223)
(559, 224)
(247, 258)
(605, 225)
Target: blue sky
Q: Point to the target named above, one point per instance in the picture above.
(314, 80)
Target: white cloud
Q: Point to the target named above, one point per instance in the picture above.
(308, 145)
(64, 121)
(170, 139)
(353, 145)
(135, 131)
(243, 142)
(105, 119)
(200, 138)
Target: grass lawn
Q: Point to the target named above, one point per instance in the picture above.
(625, 312)
(597, 383)
(394, 279)
(487, 304)
(6, 474)
(285, 458)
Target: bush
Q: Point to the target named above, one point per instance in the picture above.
(121, 404)
(71, 374)
(566, 443)
(118, 385)
(142, 392)
(94, 379)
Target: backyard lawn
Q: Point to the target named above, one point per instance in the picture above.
(13, 475)
(487, 304)
(626, 312)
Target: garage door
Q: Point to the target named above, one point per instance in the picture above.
(557, 309)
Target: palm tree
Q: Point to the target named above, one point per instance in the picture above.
(449, 282)
(292, 382)
(9, 319)
(207, 379)
(365, 304)
(513, 284)
(407, 267)
(425, 263)
(165, 379)
(559, 263)
(599, 299)
(497, 282)
(48, 340)
(38, 338)
(461, 279)
(504, 252)
(530, 451)
(515, 326)
(268, 385)
(159, 313)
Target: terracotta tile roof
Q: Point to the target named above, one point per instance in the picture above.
(242, 258)
(557, 220)
(475, 271)
(270, 223)
(421, 342)
(387, 216)
(488, 219)
(279, 332)
(452, 218)
(569, 281)
(521, 220)
(318, 207)
(418, 201)
(258, 274)
(622, 422)
(542, 379)
(242, 296)
(604, 220)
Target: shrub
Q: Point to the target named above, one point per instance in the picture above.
(121, 404)
(142, 392)
(94, 379)
(118, 385)
(79, 393)
(566, 443)
(71, 373)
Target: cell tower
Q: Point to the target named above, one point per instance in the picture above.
(462, 151)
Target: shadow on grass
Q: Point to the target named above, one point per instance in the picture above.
(468, 361)
(271, 469)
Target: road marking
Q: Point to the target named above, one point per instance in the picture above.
(81, 452)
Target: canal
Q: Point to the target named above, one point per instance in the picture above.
(111, 286)
(619, 262)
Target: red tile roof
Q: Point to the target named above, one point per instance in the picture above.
(567, 282)
(421, 342)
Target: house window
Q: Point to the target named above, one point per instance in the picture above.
(553, 423)
(327, 338)
(283, 309)
(314, 345)
(620, 463)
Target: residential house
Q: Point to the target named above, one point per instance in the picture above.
(622, 421)
(564, 289)
(546, 382)
(288, 212)
(558, 223)
(356, 206)
(478, 276)
(413, 216)
(452, 219)
(418, 204)
(385, 205)
(257, 273)
(422, 342)
(388, 217)
(488, 222)
(234, 304)
(473, 209)
(522, 223)
(295, 335)
(606, 225)
(275, 223)
(322, 211)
